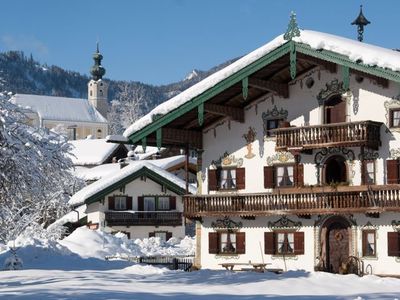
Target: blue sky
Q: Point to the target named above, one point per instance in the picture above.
(160, 41)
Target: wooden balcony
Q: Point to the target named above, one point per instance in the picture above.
(140, 218)
(363, 199)
(353, 134)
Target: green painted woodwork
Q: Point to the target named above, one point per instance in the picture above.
(293, 59)
(200, 112)
(346, 77)
(159, 138)
(245, 87)
(254, 67)
(213, 91)
(293, 29)
(144, 144)
(142, 172)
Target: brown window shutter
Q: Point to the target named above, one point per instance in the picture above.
(212, 180)
(140, 203)
(213, 242)
(363, 172)
(111, 203)
(390, 118)
(241, 178)
(299, 175)
(393, 244)
(129, 203)
(299, 243)
(172, 203)
(364, 242)
(269, 243)
(392, 171)
(269, 177)
(152, 234)
(168, 235)
(240, 242)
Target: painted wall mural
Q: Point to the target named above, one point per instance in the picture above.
(250, 137)
(227, 160)
(280, 157)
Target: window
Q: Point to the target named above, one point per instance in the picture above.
(163, 235)
(226, 242)
(284, 243)
(227, 179)
(163, 203)
(272, 124)
(394, 118)
(156, 203)
(284, 176)
(368, 172)
(120, 203)
(99, 133)
(369, 242)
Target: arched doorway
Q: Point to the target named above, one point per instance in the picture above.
(335, 243)
(335, 110)
(335, 169)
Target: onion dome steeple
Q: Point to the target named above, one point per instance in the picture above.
(97, 70)
(361, 21)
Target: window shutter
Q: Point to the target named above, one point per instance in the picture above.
(140, 203)
(393, 244)
(390, 118)
(269, 243)
(129, 203)
(152, 234)
(168, 235)
(213, 242)
(172, 203)
(363, 172)
(212, 180)
(299, 175)
(269, 178)
(111, 203)
(240, 242)
(299, 243)
(392, 171)
(241, 178)
(364, 242)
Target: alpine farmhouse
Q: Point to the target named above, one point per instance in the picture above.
(298, 148)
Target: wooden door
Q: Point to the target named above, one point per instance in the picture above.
(338, 246)
(335, 111)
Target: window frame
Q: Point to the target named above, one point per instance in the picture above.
(268, 122)
(366, 173)
(227, 232)
(117, 199)
(219, 178)
(286, 240)
(391, 115)
(364, 242)
(157, 206)
(276, 175)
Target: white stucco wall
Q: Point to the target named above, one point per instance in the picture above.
(95, 211)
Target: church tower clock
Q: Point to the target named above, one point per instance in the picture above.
(97, 88)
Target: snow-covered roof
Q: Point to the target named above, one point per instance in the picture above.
(150, 151)
(98, 172)
(60, 108)
(356, 51)
(91, 151)
(98, 186)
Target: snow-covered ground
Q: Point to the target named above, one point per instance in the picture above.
(74, 268)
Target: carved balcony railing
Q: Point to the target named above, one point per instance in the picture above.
(373, 199)
(364, 133)
(122, 218)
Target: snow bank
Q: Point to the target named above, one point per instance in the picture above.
(98, 244)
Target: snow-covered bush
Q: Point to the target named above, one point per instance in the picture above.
(13, 262)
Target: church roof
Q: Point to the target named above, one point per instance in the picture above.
(59, 108)
(363, 57)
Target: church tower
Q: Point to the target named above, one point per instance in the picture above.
(97, 88)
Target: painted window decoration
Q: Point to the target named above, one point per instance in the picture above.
(369, 242)
(227, 242)
(285, 243)
(284, 176)
(394, 118)
(227, 179)
(120, 203)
